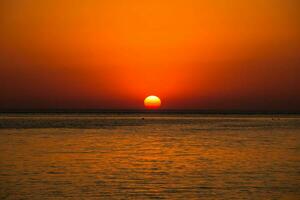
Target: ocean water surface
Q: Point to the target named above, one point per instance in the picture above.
(149, 156)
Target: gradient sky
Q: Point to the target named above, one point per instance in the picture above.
(193, 54)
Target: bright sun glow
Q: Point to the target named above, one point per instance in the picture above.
(152, 102)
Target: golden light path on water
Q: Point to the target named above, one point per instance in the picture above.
(162, 156)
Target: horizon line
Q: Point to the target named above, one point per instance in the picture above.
(163, 111)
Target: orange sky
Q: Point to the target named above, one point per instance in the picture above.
(193, 54)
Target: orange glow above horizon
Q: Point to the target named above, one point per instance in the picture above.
(193, 54)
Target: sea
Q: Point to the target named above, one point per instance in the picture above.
(149, 156)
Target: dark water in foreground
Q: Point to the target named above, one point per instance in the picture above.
(160, 157)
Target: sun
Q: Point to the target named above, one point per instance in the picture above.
(152, 102)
